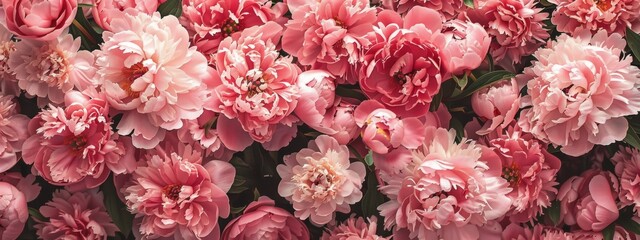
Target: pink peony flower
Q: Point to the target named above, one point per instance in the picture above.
(8, 81)
(354, 229)
(403, 69)
(329, 34)
(13, 211)
(104, 11)
(579, 98)
(13, 132)
(257, 92)
(465, 47)
(27, 184)
(75, 146)
(149, 72)
(496, 105)
(203, 131)
(50, 69)
(538, 232)
(444, 191)
(320, 180)
(589, 200)
(530, 170)
(38, 19)
(78, 215)
(174, 196)
(263, 220)
(516, 27)
(210, 21)
(448, 8)
(627, 168)
(612, 16)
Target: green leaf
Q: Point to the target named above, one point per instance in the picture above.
(116, 208)
(608, 232)
(469, 3)
(457, 125)
(368, 159)
(90, 39)
(435, 102)
(633, 40)
(631, 226)
(372, 198)
(632, 138)
(484, 81)
(554, 212)
(83, 5)
(35, 214)
(239, 185)
(171, 7)
(462, 82)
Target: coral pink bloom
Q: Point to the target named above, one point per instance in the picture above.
(257, 92)
(174, 196)
(320, 180)
(42, 20)
(104, 11)
(579, 98)
(589, 200)
(627, 168)
(516, 27)
(263, 220)
(149, 72)
(530, 170)
(13, 132)
(403, 69)
(75, 146)
(27, 185)
(354, 229)
(210, 21)
(13, 211)
(448, 8)
(496, 105)
(8, 81)
(330, 34)
(50, 69)
(574, 16)
(466, 46)
(444, 192)
(79, 215)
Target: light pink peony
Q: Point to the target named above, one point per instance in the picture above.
(78, 215)
(104, 11)
(496, 105)
(516, 27)
(151, 75)
(320, 180)
(465, 47)
(203, 131)
(354, 229)
(448, 8)
(174, 195)
(589, 200)
(258, 91)
(444, 192)
(530, 170)
(627, 168)
(42, 20)
(613, 16)
(27, 184)
(538, 232)
(329, 34)
(13, 132)
(8, 81)
(263, 220)
(75, 146)
(50, 69)
(210, 21)
(403, 68)
(579, 98)
(13, 211)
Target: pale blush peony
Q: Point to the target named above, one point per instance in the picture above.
(530, 170)
(263, 220)
(104, 11)
(589, 200)
(627, 168)
(174, 195)
(13, 132)
(496, 105)
(27, 184)
(78, 215)
(329, 34)
(50, 69)
(320, 180)
(8, 81)
(75, 146)
(448, 8)
(13, 211)
(465, 47)
(579, 98)
(42, 20)
(402, 68)
(151, 75)
(258, 91)
(354, 229)
(516, 27)
(444, 192)
(210, 21)
(613, 16)
(203, 131)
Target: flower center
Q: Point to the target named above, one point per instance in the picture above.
(6, 48)
(77, 143)
(255, 82)
(172, 191)
(338, 22)
(318, 181)
(603, 5)
(131, 74)
(53, 68)
(511, 174)
(229, 26)
(573, 90)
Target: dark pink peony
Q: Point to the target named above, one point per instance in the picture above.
(42, 20)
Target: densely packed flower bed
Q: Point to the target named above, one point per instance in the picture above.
(320, 119)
